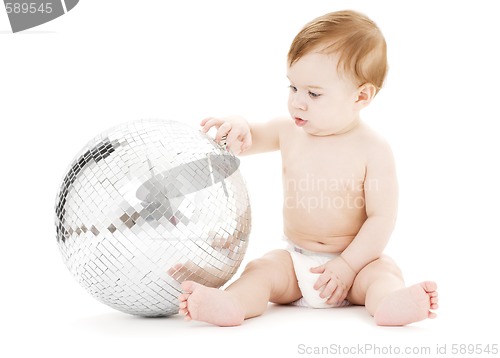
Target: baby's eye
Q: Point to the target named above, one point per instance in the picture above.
(293, 88)
(314, 95)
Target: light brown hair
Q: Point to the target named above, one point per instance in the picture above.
(354, 37)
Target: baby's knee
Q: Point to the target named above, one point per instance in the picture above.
(389, 266)
(254, 265)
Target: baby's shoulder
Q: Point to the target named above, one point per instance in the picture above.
(372, 142)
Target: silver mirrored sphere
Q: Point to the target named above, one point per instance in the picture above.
(147, 205)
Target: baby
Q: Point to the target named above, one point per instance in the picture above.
(339, 184)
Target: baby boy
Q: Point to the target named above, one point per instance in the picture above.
(339, 184)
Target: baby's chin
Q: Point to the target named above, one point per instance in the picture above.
(319, 132)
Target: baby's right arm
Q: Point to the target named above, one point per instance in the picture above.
(243, 138)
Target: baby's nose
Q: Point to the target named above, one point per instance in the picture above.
(298, 102)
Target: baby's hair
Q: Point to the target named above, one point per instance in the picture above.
(354, 37)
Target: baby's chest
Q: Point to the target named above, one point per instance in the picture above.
(338, 171)
(318, 159)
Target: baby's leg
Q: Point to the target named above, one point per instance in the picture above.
(270, 278)
(380, 287)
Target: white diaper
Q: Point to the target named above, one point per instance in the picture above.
(303, 260)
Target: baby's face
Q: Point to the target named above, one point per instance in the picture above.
(321, 101)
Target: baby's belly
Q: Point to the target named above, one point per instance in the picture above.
(329, 244)
(327, 226)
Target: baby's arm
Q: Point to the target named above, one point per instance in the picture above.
(381, 193)
(245, 138)
(381, 197)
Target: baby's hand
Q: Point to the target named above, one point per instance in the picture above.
(235, 129)
(335, 280)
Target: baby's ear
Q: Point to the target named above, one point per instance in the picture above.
(365, 93)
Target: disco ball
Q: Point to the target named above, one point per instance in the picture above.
(147, 205)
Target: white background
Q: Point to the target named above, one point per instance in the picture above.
(108, 62)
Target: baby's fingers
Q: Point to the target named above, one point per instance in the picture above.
(321, 281)
(318, 269)
(236, 139)
(247, 143)
(232, 137)
(223, 131)
(338, 295)
(329, 289)
(210, 122)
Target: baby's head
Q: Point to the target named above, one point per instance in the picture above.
(353, 37)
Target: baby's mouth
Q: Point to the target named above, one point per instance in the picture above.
(300, 122)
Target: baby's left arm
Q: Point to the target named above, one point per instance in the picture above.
(381, 196)
(381, 201)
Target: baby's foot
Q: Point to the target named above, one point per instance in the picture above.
(210, 305)
(408, 305)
